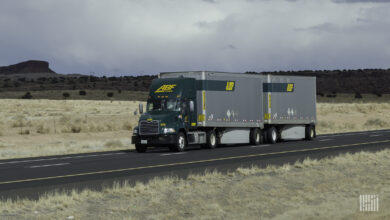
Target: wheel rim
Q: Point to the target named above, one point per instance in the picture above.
(181, 142)
(273, 135)
(212, 139)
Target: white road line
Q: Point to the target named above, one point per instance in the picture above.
(260, 146)
(172, 154)
(49, 165)
(326, 140)
(59, 158)
(375, 135)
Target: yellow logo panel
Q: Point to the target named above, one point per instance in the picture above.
(166, 88)
(290, 87)
(229, 86)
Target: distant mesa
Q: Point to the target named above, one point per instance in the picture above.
(30, 66)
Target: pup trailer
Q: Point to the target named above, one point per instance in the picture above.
(212, 108)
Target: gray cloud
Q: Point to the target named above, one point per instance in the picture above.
(136, 37)
(361, 1)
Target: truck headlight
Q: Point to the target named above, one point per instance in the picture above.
(135, 130)
(169, 130)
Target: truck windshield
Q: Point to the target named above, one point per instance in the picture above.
(163, 105)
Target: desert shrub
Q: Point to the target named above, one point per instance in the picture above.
(375, 123)
(113, 143)
(24, 132)
(64, 119)
(66, 95)
(358, 95)
(378, 94)
(320, 94)
(127, 126)
(119, 91)
(331, 96)
(110, 94)
(82, 92)
(75, 128)
(20, 121)
(42, 129)
(27, 96)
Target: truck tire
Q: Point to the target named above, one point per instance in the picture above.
(211, 140)
(140, 148)
(255, 136)
(310, 132)
(272, 135)
(181, 142)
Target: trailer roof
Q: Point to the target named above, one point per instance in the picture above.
(235, 73)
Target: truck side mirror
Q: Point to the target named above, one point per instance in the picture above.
(141, 108)
(192, 107)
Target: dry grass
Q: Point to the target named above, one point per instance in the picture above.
(312, 189)
(345, 117)
(49, 127)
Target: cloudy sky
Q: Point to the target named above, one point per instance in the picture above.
(115, 37)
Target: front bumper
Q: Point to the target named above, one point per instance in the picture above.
(155, 140)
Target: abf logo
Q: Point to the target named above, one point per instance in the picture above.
(290, 87)
(229, 86)
(165, 88)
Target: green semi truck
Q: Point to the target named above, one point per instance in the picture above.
(212, 108)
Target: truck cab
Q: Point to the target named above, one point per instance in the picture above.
(170, 115)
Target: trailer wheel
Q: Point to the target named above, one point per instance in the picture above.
(310, 132)
(272, 135)
(255, 136)
(211, 140)
(181, 142)
(140, 148)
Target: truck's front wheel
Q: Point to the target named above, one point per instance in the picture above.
(140, 148)
(181, 142)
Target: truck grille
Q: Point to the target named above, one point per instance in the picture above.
(148, 127)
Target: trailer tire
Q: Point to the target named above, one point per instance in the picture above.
(272, 135)
(310, 132)
(140, 148)
(211, 140)
(181, 142)
(255, 136)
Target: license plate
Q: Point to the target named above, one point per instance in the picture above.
(144, 141)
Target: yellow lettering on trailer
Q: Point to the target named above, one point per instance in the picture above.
(229, 86)
(290, 87)
(165, 88)
(267, 116)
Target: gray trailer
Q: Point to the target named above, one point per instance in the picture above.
(230, 108)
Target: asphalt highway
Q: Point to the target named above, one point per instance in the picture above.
(31, 177)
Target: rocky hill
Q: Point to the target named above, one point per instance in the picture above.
(30, 66)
